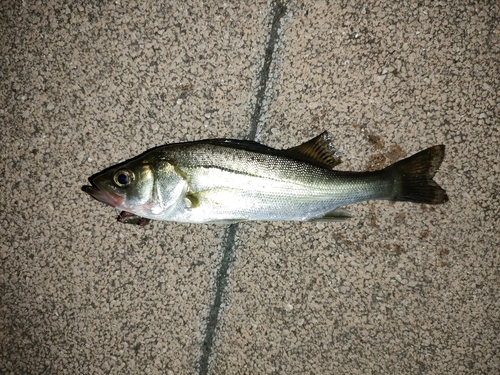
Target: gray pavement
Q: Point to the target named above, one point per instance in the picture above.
(398, 289)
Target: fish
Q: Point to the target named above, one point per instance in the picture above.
(226, 181)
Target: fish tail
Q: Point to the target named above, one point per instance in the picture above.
(413, 177)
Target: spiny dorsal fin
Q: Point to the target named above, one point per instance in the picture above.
(318, 150)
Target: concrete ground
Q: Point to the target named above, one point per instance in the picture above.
(399, 289)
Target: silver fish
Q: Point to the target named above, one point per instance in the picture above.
(229, 181)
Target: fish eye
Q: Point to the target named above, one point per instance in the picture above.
(124, 177)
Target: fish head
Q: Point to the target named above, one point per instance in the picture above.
(148, 186)
(128, 186)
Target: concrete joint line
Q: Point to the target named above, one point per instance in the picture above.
(263, 94)
(229, 244)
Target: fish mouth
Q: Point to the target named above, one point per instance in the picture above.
(107, 197)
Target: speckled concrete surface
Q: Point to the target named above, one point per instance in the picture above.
(399, 288)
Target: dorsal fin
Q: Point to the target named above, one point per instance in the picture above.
(318, 150)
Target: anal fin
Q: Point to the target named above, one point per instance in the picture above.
(336, 215)
(226, 222)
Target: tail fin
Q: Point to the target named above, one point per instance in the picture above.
(413, 177)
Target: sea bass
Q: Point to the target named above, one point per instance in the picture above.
(229, 181)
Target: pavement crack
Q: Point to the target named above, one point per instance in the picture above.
(229, 245)
(278, 11)
(221, 281)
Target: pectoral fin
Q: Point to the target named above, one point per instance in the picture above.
(192, 200)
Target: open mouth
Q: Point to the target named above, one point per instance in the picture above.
(104, 196)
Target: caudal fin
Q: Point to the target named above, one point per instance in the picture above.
(413, 177)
